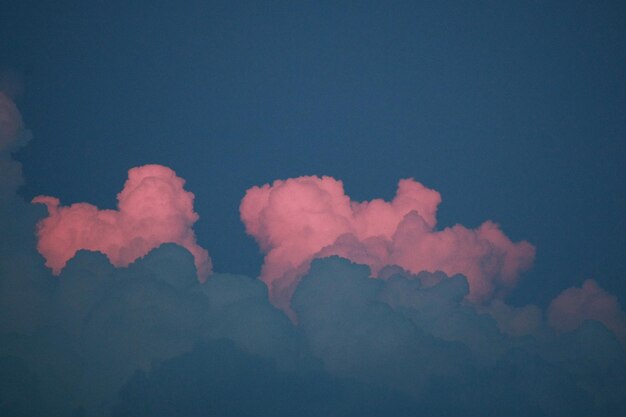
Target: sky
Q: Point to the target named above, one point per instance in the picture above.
(262, 129)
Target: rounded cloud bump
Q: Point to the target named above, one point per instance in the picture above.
(574, 306)
(153, 208)
(299, 219)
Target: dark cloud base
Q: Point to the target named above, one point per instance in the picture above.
(218, 379)
(150, 340)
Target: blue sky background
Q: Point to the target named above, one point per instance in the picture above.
(513, 111)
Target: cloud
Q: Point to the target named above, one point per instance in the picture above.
(99, 324)
(590, 302)
(151, 338)
(346, 321)
(407, 344)
(153, 208)
(19, 389)
(418, 335)
(13, 135)
(299, 219)
(11, 124)
(131, 318)
(516, 321)
(11, 82)
(239, 311)
(218, 379)
(21, 275)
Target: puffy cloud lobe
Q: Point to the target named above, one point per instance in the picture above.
(153, 208)
(345, 321)
(516, 321)
(299, 219)
(590, 302)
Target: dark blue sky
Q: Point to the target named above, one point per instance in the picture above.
(513, 112)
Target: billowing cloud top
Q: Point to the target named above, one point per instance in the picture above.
(153, 208)
(303, 218)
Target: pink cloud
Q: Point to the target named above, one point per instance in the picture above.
(590, 302)
(153, 208)
(299, 219)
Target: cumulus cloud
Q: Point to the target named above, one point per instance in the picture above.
(346, 322)
(20, 273)
(152, 339)
(11, 82)
(299, 219)
(217, 379)
(418, 334)
(19, 393)
(13, 135)
(590, 302)
(153, 208)
(516, 321)
(408, 344)
(10, 122)
(99, 324)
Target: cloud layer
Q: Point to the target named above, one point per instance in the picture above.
(152, 339)
(299, 219)
(153, 208)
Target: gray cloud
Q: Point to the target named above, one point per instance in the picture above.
(149, 339)
(405, 343)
